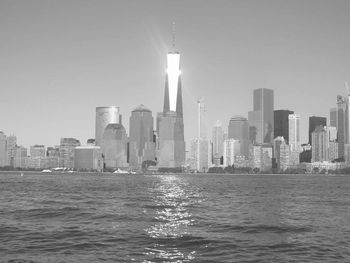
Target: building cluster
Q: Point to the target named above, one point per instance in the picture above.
(112, 148)
(270, 139)
(266, 139)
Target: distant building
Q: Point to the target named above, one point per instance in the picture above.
(262, 157)
(277, 142)
(281, 123)
(3, 149)
(342, 124)
(88, 158)
(294, 132)
(319, 145)
(52, 157)
(141, 141)
(11, 150)
(333, 117)
(261, 119)
(347, 153)
(200, 155)
(105, 116)
(66, 149)
(333, 150)
(232, 148)
(20, 158)
(315, 121)
(37, 158)
(238, 129)
(218, 143)
(114, 146)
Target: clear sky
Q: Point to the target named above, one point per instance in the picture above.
(60, 59)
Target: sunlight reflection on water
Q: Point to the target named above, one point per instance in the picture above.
(172, 196)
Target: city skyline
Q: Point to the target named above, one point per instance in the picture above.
(53, 67)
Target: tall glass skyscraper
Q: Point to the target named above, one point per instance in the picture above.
(105, 116)
(261, 119)
(142, 146)
(170, 127)
(238, 129)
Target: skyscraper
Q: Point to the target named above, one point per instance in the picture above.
(281, 123)
(141, 143)
(218, 142)
(319, 144)
(114, 146)
(67, 146)
(315, 121)
(294, 132)
(105, 116)
(231, 150)
(261, 119)
(3, 149)
(333, 117)
(170, 128)
(343, 124)
(11, 150)
(238, 129)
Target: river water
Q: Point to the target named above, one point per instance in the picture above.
(174, 218)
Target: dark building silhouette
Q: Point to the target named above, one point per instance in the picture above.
(281, 123)
(315, 121)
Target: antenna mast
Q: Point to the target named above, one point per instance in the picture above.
(173, 33)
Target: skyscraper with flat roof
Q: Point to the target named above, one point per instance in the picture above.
(294, 132)
(319, 144)
(141, 142)
(261, 119)
(281, 123)
(66, 152)
(170, 127)
(238, 129)
(105, 116)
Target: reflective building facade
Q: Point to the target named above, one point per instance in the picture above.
(141, 142)
(170, 127)
(105, 116)
(261, 119)
(238, 129)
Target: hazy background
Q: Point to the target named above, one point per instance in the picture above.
(61, 59)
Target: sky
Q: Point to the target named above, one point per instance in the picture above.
(61, 59)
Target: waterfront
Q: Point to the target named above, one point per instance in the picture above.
(174, 218)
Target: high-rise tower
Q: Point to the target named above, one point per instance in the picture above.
(170, 127)
(261, 119)
(142, 146)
